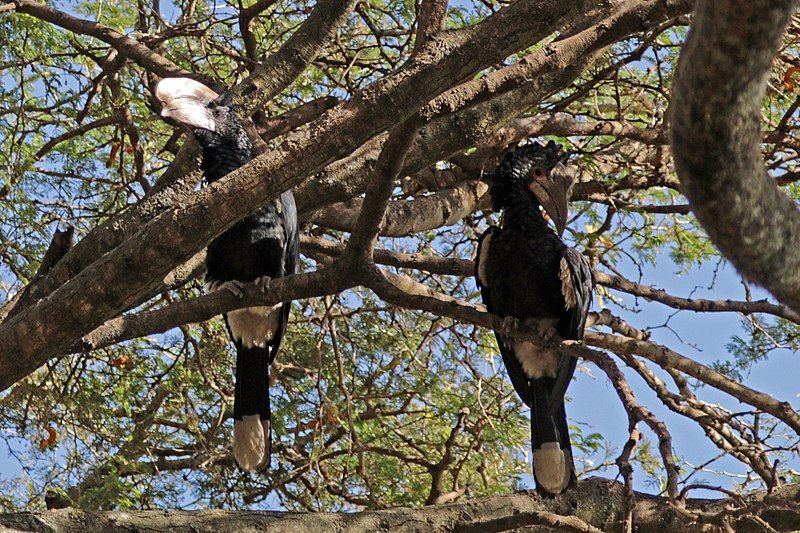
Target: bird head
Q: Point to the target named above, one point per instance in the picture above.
(210, 116)
(540, 169)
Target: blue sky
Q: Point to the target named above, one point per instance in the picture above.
(703, 337)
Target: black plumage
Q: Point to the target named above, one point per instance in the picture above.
(527, 273)
(262, 246)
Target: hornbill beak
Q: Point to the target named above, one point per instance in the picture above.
(553, 189)
(186, 101)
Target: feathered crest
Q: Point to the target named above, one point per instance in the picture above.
(516, 163)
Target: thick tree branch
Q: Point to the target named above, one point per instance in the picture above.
(715, 114)
(388, 168)
(594, 503)
(407, 217)
(317, 247)
(431, 16)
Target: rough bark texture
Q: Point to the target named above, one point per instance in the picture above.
(594, 504)
(717, 96)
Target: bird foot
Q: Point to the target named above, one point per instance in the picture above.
(263, 283)
(510, 324)
(234, 286)
(547, 333)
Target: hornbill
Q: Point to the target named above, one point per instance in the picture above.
(263, 245)
(526, 273)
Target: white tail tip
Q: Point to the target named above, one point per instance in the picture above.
(550, 465)
(249, 443)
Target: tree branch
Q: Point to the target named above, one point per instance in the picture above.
(126, 46)
(593, 503)
(716, 104)
(407, 217)
(246, 16)
(431, 17)
(666, 358)
(695, 304)
(282, 68)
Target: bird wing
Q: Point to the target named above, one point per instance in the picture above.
(290, 226)
(514, 368)
(577, 284)
(287, 218)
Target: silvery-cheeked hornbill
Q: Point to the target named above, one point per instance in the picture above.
(525, 272)
(263, 245)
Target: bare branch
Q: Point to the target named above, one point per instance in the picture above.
(430, 21)
(637, 413)
(80, 130)
(246, 16)
(666, 358)
(695, 304)
(207, 306)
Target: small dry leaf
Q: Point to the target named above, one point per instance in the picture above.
(788, 83)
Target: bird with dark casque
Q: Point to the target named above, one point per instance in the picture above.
(529, 276)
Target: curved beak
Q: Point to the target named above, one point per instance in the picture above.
(186, 101)
(553, 190)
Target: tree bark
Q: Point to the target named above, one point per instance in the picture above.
(593, 504)
(716, 141)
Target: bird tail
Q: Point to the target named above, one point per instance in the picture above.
(553, 467)
(251, 409)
